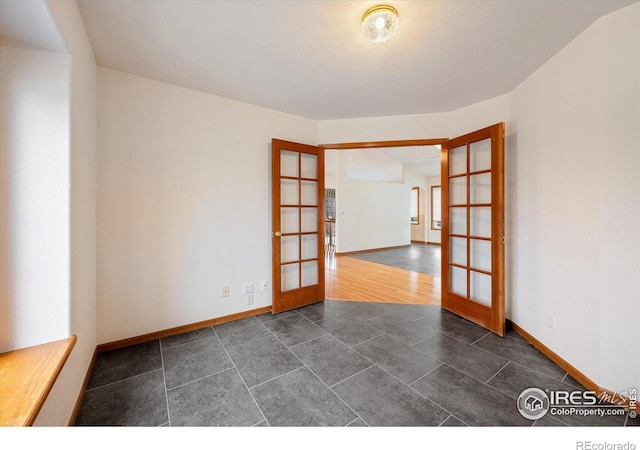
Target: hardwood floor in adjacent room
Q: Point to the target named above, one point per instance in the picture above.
(349, 278)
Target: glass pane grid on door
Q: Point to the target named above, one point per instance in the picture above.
(469, 228)
(299, 211)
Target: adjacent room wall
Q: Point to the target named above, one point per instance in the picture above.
(370, 214)
(413, 179)
(183, 203)
(433, 236)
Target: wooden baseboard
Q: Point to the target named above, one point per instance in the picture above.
(413, 241)
(371, 250)
(178, 330)
(425, 242)
(581, 378)
(85, 384)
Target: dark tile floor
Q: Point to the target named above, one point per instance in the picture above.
(334, 363)
(416, 258)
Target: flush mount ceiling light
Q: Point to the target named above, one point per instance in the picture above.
(380, 23)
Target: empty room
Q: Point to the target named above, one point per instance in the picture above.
(218, 214)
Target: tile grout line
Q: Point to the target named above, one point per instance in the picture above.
(242, 378)
(520, 364)
(455, 417)
(537, 372)
(420, 378)
(481, 338)
(470, 376)
(164, 382)
(424, 396)
(395, 377)
(500, 370)
(480, 381)
(450, 416)
(200, 379)
(315, 375)
(189, 342)
(122, 379)
(247, 342)
(351, 376)
(413, 382)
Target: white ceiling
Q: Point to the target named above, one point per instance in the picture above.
(309, 58)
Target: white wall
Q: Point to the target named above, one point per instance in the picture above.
(183, 203)
(619, 162)
(34, 199)
(59, 406)
(48, 199)
(573, 211)
(371, 129)
(480, 115)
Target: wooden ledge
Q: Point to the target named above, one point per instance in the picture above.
(26, 378)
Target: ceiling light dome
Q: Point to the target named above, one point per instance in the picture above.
(380, 23)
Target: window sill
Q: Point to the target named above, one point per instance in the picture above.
(27, 376)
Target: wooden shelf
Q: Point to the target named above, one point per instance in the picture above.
(26, 378)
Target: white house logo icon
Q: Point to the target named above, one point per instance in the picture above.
(533, 403)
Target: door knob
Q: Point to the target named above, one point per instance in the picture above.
(277, 234)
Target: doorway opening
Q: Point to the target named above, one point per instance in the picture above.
(472, 223)
(376, 250)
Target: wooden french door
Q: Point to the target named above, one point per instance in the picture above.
(472, 181)
(297, 211)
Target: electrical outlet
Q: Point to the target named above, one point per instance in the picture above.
(249, 299)
(225, 291)
(247, 288)
(263, 285)
(552, 321)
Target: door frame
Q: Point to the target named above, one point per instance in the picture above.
(383, 144)
(372, 145)
(493, 326)
(298, 296)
